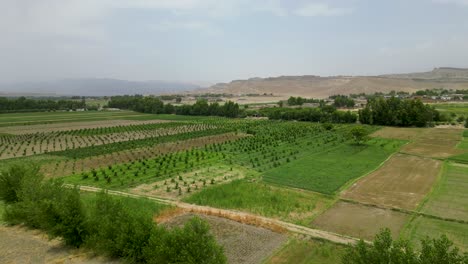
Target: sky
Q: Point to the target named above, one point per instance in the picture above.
(224, 40)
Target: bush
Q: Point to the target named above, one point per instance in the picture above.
(12, 179)
(191, 244)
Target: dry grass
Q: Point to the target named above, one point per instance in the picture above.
(402, 182)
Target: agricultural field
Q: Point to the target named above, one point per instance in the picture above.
(402, 182)
(310, 175)
(361, 221)
(304, 251)
(457, 108)
(421, 227)
(449, 199)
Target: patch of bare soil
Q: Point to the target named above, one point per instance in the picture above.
(402, 182)
(359, 220)
(436, 143)
(242, 243)
(398, 133)
(21, 245)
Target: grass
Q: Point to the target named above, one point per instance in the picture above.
(459, 108)
(450, 197)
(421, 227)
(327, 171)
(308, 252)
(295, 206)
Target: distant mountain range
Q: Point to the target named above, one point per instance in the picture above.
(95, 87)
(320, 87)
(306, 86)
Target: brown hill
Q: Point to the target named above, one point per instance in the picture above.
(320, 87)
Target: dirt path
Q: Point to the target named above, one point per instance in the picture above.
(246, 218)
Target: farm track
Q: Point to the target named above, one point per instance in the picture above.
(247, 218)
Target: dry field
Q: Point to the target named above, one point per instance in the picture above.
(359, 220)
(399, 133)
(402, 182)
(69, 126)
(190, 182)
(242, 243)
(435, 143)
(69, 167)
(21, 245)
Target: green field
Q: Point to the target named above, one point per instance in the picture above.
(307, 252)
(421, 227)
(458, 108)
(449, 198)
(327, 171)
(259, 198)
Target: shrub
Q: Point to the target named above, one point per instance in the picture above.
(12, 179)
(191, 244)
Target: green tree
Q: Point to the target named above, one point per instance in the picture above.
(191, 244)
(359, 134)
(14, 177)
(384, 250)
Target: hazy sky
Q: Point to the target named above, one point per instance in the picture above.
(221, 40)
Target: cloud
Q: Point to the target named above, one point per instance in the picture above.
(457, 2)
(200, 26)
(321, 9)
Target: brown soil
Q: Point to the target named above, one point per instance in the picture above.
(436, 143)
(401, 182)
(398, 133)
(360, 221)
(242, 243)
(21, 245)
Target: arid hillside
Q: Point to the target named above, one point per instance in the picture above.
(316, 86)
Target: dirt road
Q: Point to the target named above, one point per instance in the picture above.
(246, 218)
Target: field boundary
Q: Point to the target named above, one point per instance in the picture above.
(405, 211)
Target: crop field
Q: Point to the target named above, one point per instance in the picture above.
(402, 182)
(302, 251)
(309, 174)
(259, 198)
(359, 220)
(449, 198)
(457, 108)
(422, 227)
(327, 171)
(436, 143)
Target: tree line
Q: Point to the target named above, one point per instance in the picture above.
(114, 226)
(154, 105)
(23, 104)
(397, 112)
(385, 250)
(300, 101)
(324, 114)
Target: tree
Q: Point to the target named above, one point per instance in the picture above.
(13, 179)
(191, 244)
(466, 123)
(359, 134)
(385, 250)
